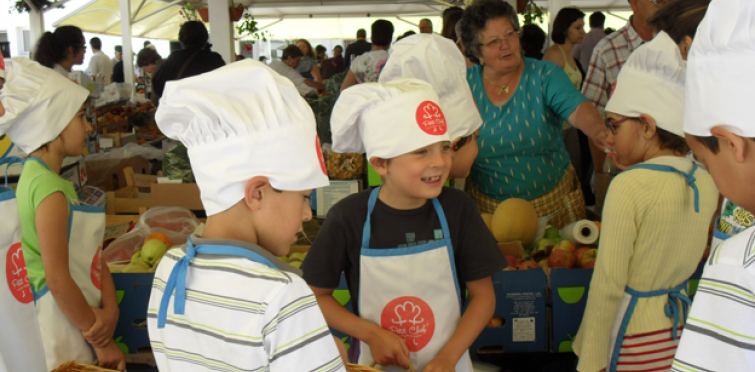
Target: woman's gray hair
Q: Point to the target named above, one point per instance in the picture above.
(476, 16)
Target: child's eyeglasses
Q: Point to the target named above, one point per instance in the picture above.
(613, 125)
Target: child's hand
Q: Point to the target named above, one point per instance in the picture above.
(111, 357)
(389, 349)
(440, 364)
(103, 328)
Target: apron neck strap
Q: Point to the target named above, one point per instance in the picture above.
(177, 279)
(688, 176)
(366, 232)
(9, 161)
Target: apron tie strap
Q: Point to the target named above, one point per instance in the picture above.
(672, 307)
(177, 282)
(688, 176)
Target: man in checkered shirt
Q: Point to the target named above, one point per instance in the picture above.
(613, 51)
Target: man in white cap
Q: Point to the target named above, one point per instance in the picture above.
(256, 157)
(720, 333)
(410, 247)
(437, 61)
(655, 221)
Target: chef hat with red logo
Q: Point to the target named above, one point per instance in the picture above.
(387, 120)
(2, 67)
(438, 61)
(242, 121)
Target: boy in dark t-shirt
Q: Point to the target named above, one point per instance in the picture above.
(409, 248)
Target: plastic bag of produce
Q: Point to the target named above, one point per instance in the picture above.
(176, 222)
(176, 165)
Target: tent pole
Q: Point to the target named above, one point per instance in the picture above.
(222, 32)
(128, 54)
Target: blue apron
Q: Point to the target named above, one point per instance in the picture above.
(177, 279)
(676, 296)
(412, 292)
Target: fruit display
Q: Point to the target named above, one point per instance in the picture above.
(148, 258)
(553, 251)
(515, 219)
(118, 118)
(294, 259)
(348, 166)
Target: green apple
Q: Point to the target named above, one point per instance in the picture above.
(296, 264)
(136, 257)
(298, 256)
(542, 245)
(136, 267)
(153, 250)
(552, 233)
(283, 258)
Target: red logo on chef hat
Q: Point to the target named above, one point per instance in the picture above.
(2, 63)
(15, 272)
(430, 119)
(319, 155)
(412, 319)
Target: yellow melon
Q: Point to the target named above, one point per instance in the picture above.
(488, 218)
(515, 219)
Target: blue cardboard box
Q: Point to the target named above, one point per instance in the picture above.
(521, 305)
(569, 288)
(132, 291)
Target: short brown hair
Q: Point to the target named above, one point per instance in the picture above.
(671, 141)
(679, 18)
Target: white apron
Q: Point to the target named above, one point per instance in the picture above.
(678, 302)
(413, 292)
(20, 341)
(62, 340)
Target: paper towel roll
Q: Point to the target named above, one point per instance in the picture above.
(584, 232)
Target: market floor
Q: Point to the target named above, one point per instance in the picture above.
(532, 362)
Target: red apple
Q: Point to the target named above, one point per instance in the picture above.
(566, 246)
(589, 265)
(513, 261)
(528, 265)
(510, 268)
(585, 255)
(561, 258)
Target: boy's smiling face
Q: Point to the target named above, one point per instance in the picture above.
(413, 178)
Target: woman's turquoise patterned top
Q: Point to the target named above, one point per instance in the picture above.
(522, 153)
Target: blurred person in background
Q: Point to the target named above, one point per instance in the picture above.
(308, 65)
(532, 41)
(366, 68)
(61, 49)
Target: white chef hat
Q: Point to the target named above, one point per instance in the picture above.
(39, 103)
(652, 83)
(238, 122)
(720, 73)
(387, 120)
(438, 61)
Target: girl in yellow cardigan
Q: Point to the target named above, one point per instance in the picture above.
(655, 221)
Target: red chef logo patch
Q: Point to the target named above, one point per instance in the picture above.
(430, 119)
(412, 319)
(2, 63)
(15, 272)
(97, 269)
(319, 155)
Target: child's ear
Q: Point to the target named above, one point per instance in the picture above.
(254, 191)
(729, 141)
(380, 165)
(650, 126)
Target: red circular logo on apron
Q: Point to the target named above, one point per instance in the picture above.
(15, 272)
(412, 319)
(430, 119)
(319, 155)
(97, 269)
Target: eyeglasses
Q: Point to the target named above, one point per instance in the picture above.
(613, 125)
(658, 2)
(496, 43)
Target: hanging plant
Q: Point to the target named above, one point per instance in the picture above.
(189, 12)
(248, 27)
(532, 13)
(21, 6)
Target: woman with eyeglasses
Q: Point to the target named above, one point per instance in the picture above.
(655, 221)
(62, 49)
(523, 103)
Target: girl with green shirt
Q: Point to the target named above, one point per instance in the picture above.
(74, 293)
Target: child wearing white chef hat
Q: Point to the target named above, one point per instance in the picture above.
(75, 297)
(720, 130)
(410, 248)
(655, 221)
(437, 61)
(223, 300)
